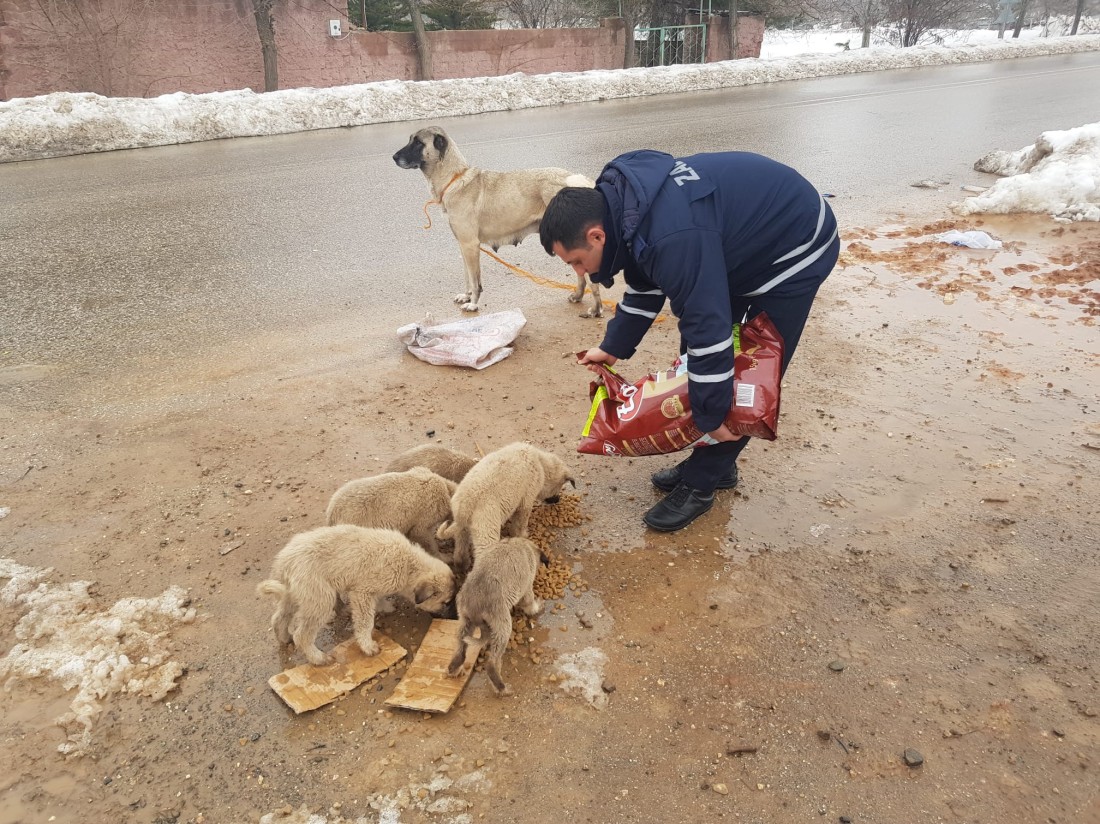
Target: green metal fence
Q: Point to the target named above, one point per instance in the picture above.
(669, 45)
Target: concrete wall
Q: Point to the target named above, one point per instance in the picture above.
(750, 35)
(145, 48)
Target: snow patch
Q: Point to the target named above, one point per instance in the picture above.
(1059, 174)
(61, 635)
(583, 673)
(388, 809)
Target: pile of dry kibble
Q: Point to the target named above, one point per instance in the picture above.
(553, 579)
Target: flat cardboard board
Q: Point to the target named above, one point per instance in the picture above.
(307, 687)
(426, 686)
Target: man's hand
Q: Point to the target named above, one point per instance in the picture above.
(596, 355)
(722, 434)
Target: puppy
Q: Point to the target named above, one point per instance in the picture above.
(414, 503)
(439, 459)
(503, 577)
(482, 206)
(497, 495)
(361, 565)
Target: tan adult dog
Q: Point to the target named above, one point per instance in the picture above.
(482, 206)
(363, 566)
(497, 495)
(503, 577)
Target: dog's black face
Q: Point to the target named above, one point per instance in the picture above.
(422, 146)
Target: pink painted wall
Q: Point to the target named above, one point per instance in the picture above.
(145, 48)
(310, 57)
(750, 36)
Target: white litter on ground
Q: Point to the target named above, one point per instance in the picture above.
(1059, 174)
(583, 673)
(61, 636)
(972, 239)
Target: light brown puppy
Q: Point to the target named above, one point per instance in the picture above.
(439, 459)
(414, 503)
(503, 577)
(483, 206)
(359, 564)
(497, 495)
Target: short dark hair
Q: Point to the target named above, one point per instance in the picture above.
(569, 215)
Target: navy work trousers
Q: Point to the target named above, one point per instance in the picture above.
(788, 309)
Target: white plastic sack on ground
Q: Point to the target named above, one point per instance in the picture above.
(974, 240)
(477, 341)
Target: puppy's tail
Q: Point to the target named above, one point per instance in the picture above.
(481, 627)
(446, 531)
(271, 587)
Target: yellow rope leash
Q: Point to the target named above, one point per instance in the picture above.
(608, 304)
(440, 200)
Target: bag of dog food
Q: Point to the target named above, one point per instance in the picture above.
(653, 416)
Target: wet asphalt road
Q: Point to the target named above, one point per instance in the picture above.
(115, 260)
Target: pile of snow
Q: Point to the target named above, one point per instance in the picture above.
(62, 636)
(583, 675)
(1059, 174)
(67, 123)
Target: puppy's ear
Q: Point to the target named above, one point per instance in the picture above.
(440, 142)
(423, 592)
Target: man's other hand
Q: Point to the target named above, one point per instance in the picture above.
(722, 434)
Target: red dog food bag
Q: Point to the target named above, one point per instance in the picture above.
(653, 416)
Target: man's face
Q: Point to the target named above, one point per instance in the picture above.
(586, 259)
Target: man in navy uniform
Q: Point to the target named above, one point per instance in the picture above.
(722, 236)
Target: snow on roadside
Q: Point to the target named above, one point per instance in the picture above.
(66, 123)
(62, 636)
(1059, 174)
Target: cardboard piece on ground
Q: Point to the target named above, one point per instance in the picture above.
(425, 686)
(307, 687)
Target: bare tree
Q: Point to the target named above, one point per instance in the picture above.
(1077, 16)
(866, 14)
(913, 21)
(265, 26)
(1020, 15)
(733, 29)
(423, 47)
(545, 14)
(633, 12)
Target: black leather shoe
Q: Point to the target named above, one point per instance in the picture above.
(679, 508)
(667, 479)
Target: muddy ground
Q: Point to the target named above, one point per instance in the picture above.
(912, 565)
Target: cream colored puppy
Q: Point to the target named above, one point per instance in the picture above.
(503, 577)
(439, 459)
(497, 495)
(414, 503)
(359, 564)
